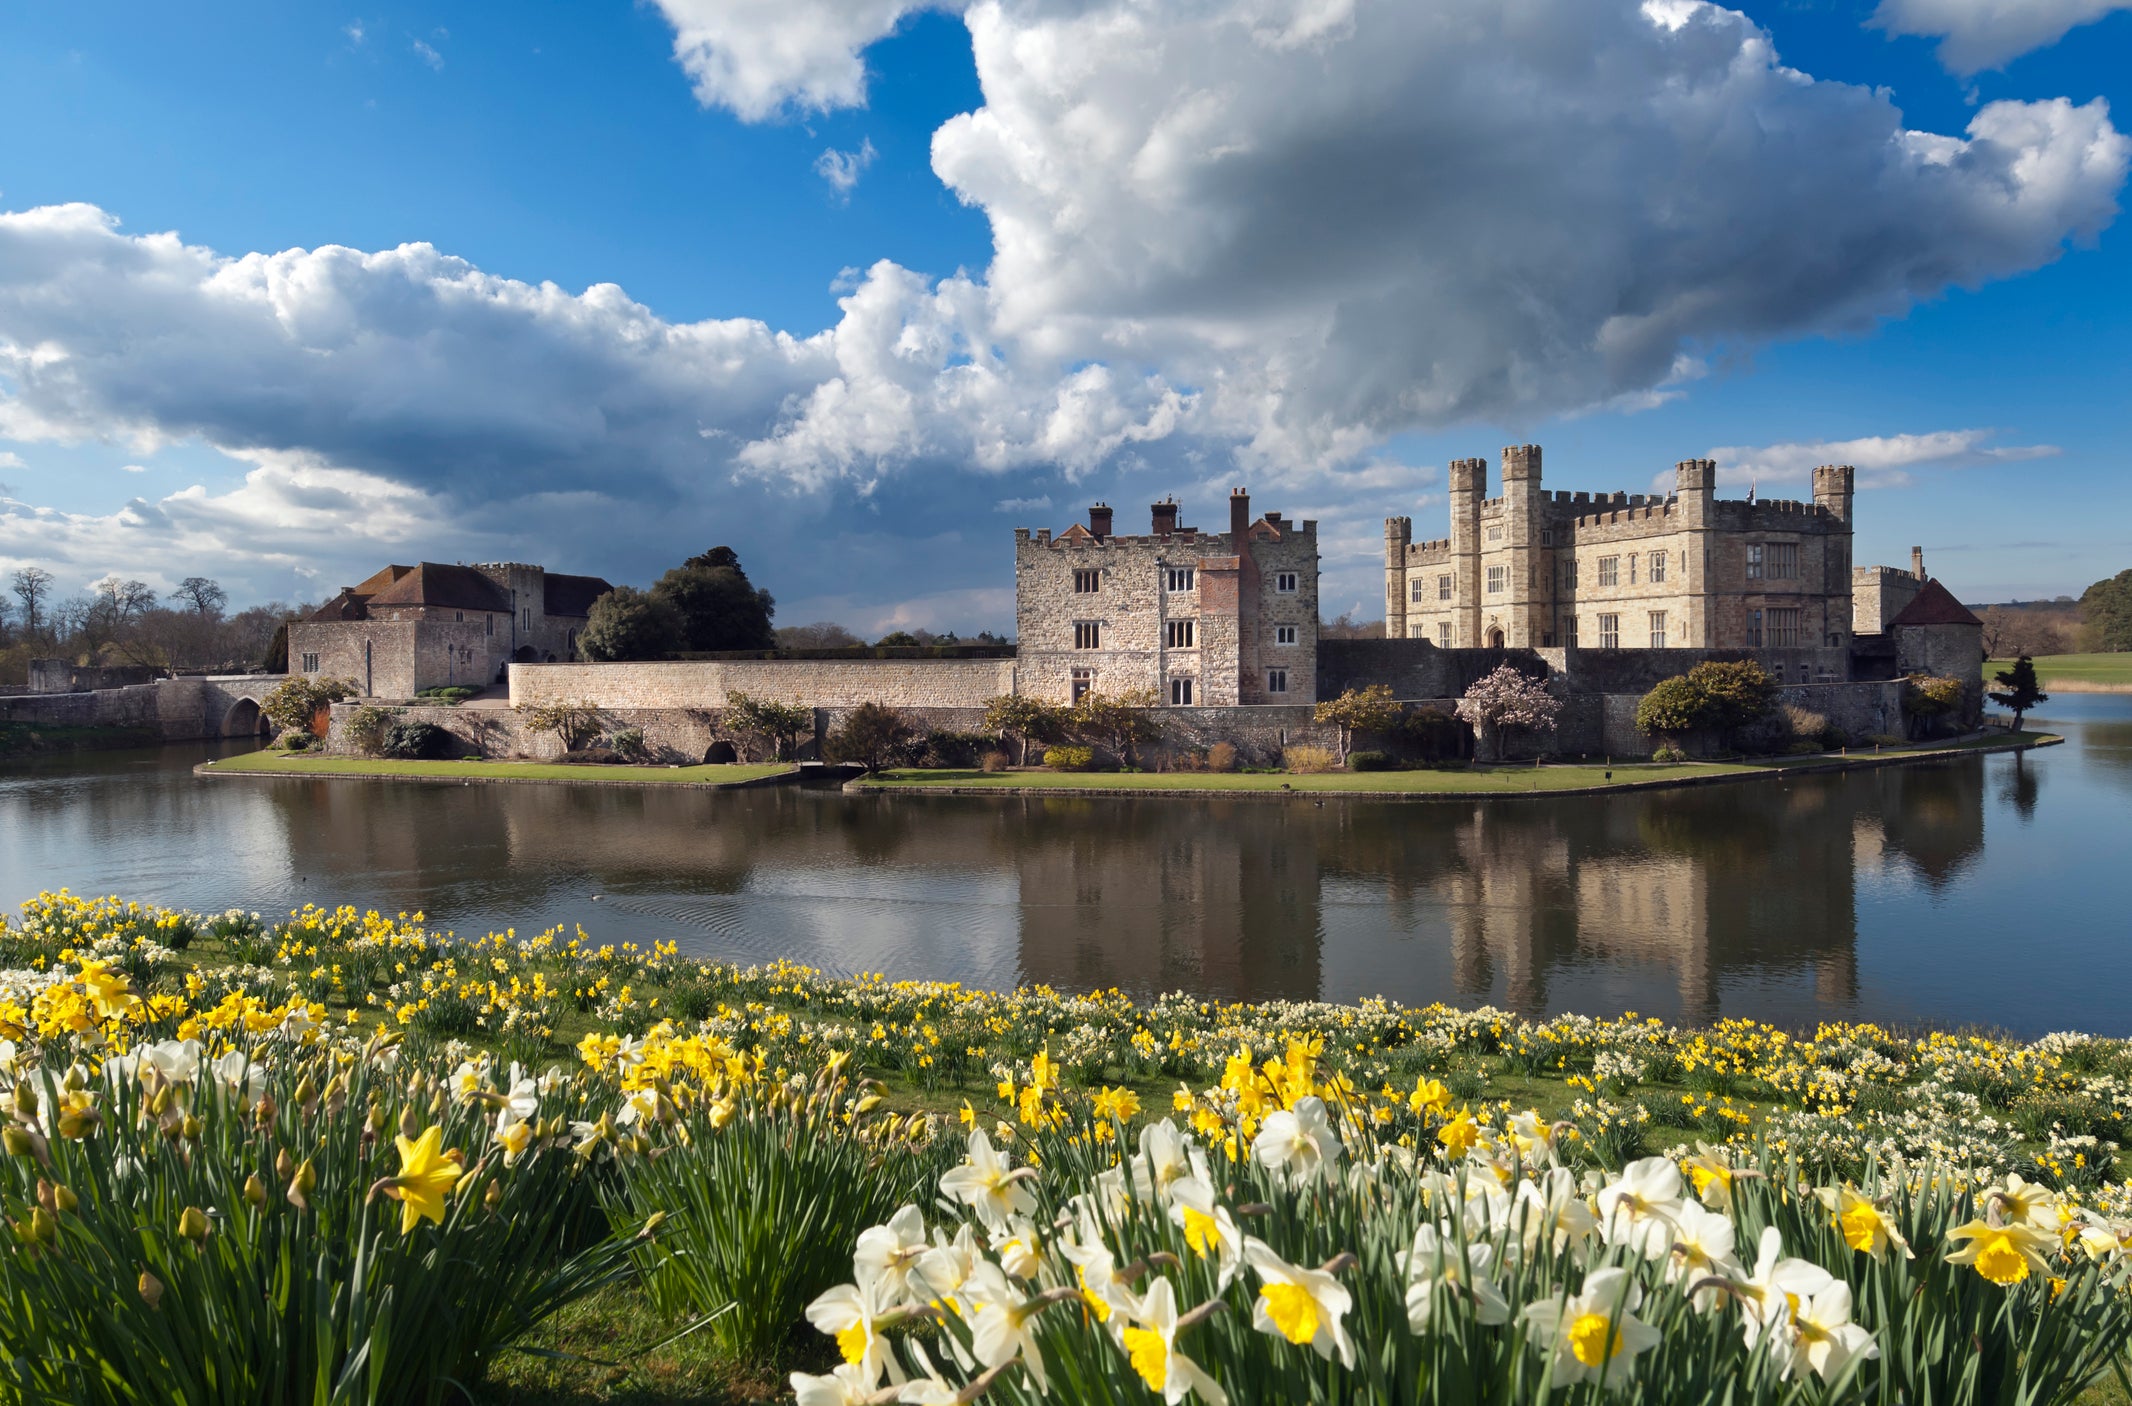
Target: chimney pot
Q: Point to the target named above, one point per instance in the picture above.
(1239, 518)
(1099, 520)
(1917, 562)
(1165, 517)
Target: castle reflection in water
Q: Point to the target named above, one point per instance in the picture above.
(1686, 904)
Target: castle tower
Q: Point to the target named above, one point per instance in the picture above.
(1521, 607)
(1833, 484)
(1398, 534)
(1469, 485)
(1695, 494)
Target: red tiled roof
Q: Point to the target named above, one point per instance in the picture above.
(435, 584)
(1934, 605)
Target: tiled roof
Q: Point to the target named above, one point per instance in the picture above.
(1934, 605)
(571, 595)
(436, 584)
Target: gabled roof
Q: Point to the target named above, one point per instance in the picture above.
(1934, 605)
(346, 606)
(435, 584)
(571, 595)
(1077, 533)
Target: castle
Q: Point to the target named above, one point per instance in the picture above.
(432, 625)
(1537, 570)
(1197, 619)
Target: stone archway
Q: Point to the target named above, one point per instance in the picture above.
(720, 754)
(1495, 638)
(245, 720)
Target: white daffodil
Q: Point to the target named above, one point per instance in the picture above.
(1210, 1231)
(465, 1082)
(1434, 1264)
(1015, 1246)
(1103, 1296)
(298, 1025)
(1711, 1172)
(2020, 1202)
(1638, 1208)
(1150, 1343)
(1297, 1142)
(244, 1080)
(1301, 1305)
(174, 1061)
(638, 1106)
(1822, 1336)
(523, 1100)
(1865, 1226)
(886, 1254)
(1595, 1335)
(1002, 1330)
(986, 1182)
(1533, 1138)
(846, 1313)
(1473, 1194)
(941, 1271)
(1702, 1249)
(1166, 1155)
(846, 1386)
(1768, 1293)
(1552, 1208)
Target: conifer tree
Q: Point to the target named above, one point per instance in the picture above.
(2022, 690)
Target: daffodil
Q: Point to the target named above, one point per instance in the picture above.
(1639, 1207)
(846, 1313)
(1210, 1230)
(2004, 1254)
(1776, 1284)
(1822, 1336)
(1702, 1249)
(886, 1254)
(988, 1183)
(426, 1176)
(1436, 1266)
(1301, 1305)
(1297, 1142)
(1594, 1335)
(1150, 1343)
(1865, 1226)
(1003, 1328)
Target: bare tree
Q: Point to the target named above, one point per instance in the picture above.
(206, 597)
(822, 634)
(33, 586)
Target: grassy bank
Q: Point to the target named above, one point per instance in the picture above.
(1452, 782)
(301, 764)
(2075, 673)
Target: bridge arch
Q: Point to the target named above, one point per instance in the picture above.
(245, 720)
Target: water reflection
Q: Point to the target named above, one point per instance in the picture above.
(1873, 895)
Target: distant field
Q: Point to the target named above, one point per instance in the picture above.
(2076, 672)
(282, 764)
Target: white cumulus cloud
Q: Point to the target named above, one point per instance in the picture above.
(1978, 34)
(1882, 461)
(758, 58)
(842, 169)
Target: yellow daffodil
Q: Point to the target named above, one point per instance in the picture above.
(427, 1174)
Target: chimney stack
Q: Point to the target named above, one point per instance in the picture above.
(1917, 562)
(1165, 517)
(1099, 520)
(1239, 517)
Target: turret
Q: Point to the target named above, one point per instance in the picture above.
(1521, 464)
(1917, 562)
(1832, 489)
(1695, 485)
(1398, 536)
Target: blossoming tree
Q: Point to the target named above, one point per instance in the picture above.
(1506, 699)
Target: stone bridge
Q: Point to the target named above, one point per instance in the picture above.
(185, 709)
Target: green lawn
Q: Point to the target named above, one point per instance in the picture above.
(298, 764)
(2072, 671)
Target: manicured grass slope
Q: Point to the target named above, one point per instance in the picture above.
(2113, 670)
(298, 764)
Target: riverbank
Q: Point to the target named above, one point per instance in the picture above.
(471, 773)
(1462, 784)
(2073, 673)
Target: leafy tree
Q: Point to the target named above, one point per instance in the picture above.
(205, 597)
(718, 607)
(571, 722)
(1361, 710)
(871, 735)
(780, 724)
(2106, 607)
(1119, 721)
(32, 586)
(2022, 691)
(297, 700)
(1027, 720)
(1736, 693)
(897, 639)
(1506, 699)
(1927, 699)
(627, 623)
(1674, 706)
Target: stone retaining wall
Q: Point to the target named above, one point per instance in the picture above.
(822, 683)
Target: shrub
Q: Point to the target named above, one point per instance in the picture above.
(628, 742)
(592, 756)
(451, 695)
(941, 748)
(871, 736)
(1064, 758)
(1927, 699)
(414, 741)
(365, 728)
(1308, 759)
(296, 701)
(1669, 754)
(779, 724)
(1503, 700)
(1371, 761)
(1118, 721)
(1435, 734)
(296, 741)
(993, 761)
(1221, 757)
(1027, 720)
(571, 722)
(1369, 709)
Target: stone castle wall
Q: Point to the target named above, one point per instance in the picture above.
(819, 683)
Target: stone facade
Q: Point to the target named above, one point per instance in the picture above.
(409, 628)
(1533, 569)
(1879, 593)
(1197, 618)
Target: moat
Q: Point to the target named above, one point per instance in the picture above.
(1984, 891)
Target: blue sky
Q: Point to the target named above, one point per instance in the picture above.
(1309, 245)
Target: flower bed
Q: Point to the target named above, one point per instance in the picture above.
(413, 1149)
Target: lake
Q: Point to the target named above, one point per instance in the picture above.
(1988, 890)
